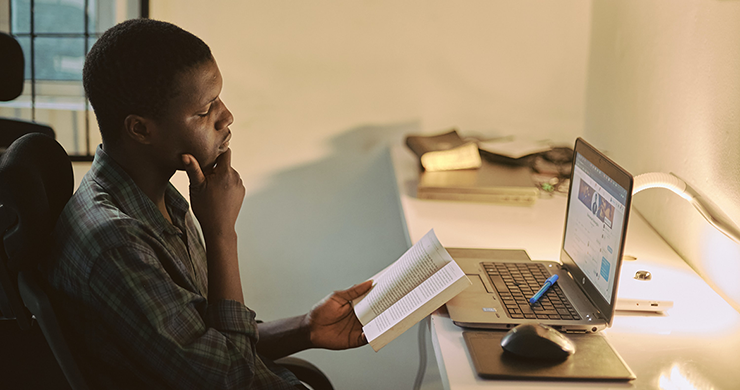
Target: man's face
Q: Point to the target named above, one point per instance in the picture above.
(196, 121)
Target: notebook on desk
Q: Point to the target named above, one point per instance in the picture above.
(491, 183)
(583, 299)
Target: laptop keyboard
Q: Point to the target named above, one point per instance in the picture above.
(517, 282)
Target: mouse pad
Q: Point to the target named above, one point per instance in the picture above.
(594, 360)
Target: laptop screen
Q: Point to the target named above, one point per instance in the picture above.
(594, 231)
(596, 222)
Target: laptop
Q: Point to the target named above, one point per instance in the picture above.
(584, 297)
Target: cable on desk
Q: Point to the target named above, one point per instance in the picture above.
(422, 352)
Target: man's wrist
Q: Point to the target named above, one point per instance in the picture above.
(284, 337)
(224, 280)
(219, 236)
(304, 330)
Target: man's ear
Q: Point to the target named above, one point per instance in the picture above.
(138, 128)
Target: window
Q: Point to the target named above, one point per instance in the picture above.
(55, 36)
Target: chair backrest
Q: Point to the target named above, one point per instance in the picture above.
(11, 86)
(36, 181)
(11, 68)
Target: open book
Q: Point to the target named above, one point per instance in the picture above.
(418, 283)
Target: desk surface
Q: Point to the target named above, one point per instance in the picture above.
(694, 345)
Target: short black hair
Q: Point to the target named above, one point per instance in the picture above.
(132, 68)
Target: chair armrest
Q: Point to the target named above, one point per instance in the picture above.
(306, 372)
(38, 303)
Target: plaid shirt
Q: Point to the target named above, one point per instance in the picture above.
(132, 293)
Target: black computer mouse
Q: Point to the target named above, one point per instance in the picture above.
(537, 341)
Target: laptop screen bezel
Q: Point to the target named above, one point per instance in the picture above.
(626, 181)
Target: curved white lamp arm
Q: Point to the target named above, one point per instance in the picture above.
(713, 214)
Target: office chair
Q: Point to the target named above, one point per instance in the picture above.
(36, 181)
(11, 86)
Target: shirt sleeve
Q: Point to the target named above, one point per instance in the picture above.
(166, 334)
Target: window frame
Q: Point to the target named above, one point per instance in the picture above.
(51, 88)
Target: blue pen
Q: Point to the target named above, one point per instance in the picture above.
(549, 282)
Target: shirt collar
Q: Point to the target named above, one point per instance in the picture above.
(107, 173)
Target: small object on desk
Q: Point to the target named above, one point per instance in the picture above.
(515, 148)
(549, 282)
(645, 291)
(537, 341)
(512, 151)
(420, 144)
(643, 275)
(444, 152)
(465, 156)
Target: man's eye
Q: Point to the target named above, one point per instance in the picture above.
(210, 108)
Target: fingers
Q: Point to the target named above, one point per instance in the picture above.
(360, 340)
(356, 291)
(193, 170)
(223, 161)
(223, 165)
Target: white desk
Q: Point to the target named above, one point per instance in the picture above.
(695, 345)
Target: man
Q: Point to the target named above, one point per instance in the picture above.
(145, 305)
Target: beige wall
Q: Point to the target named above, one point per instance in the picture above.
(299, 72)
(318, 88)
(664, 95)
(4, 26)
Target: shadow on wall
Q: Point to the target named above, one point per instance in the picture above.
(323, 226)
